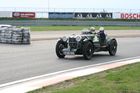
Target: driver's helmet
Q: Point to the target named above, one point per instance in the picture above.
(101, 29)
(92, 29)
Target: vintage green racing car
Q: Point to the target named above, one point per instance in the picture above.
(86, 44)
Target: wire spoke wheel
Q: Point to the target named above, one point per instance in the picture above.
(88, 50)
(59, 49)
(113, 47)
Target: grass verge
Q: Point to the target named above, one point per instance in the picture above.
(125, 79)
(59, 28)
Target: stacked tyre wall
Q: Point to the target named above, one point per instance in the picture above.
(14, 36)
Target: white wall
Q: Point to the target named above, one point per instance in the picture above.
(116, 15)
(41, 14)
(5, 14)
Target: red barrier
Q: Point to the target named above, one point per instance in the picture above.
(23, 14)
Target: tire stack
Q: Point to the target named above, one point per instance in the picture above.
(26, 36)
(7, 36)
(2, 36)
(15, 35)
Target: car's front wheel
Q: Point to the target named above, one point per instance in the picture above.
(113, 47)
(88, 50)
(59, 49)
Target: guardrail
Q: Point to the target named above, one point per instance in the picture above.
(68, 22)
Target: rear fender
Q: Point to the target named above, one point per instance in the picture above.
(109, 41)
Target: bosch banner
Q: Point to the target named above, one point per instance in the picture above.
(93, 15)
(23, 14)
(130, 16)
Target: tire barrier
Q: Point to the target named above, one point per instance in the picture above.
(15, 35)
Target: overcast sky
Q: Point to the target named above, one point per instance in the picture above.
(125, 4)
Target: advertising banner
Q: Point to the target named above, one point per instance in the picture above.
(60, 15)
(92, 15)
(130, 15)
(79, 15)
(23, 14)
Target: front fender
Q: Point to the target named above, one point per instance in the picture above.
(87, 40)
(60, 40)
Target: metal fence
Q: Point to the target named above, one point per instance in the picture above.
(67, 22)
(30, 9)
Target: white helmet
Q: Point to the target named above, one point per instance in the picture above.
(92, 28)
(101, 28)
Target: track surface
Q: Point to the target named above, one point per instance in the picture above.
(23, 61)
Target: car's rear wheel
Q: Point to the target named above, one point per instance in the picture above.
(113, 47)
(59, 49)
(88, 50)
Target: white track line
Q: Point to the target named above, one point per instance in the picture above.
(32, 83)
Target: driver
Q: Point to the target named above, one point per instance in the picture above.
(92, 30)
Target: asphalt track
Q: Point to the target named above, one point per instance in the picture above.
(24, 61)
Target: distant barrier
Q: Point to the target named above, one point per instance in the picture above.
(70, 15)
(68, 23)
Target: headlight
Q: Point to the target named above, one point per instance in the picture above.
(64, 38)
(78, 38)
